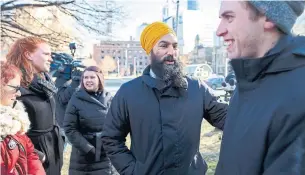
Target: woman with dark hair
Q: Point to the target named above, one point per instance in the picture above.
(83, 123)
(32, 56)
(18, 155)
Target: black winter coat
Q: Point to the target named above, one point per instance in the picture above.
(84, 118)
(44, 131)
(265, 128)
(64, 94)
(164, 126)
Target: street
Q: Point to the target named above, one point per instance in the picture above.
(113, 85)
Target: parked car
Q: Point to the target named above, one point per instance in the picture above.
(201, 71)
(215, 82)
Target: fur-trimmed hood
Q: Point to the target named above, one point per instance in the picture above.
(13, 120)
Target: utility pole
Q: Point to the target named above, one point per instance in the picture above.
(177, 17)
(214, 59)
(109, 7)
(135, 66)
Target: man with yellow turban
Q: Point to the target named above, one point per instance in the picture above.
(162, 111)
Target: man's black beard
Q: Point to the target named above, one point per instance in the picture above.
(172, 74)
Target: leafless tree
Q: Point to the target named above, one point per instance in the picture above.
(107, 64)
(17, 19)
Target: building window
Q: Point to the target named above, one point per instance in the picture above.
(140, 63)
(102, 57)
(102, 51)
(119, 57)
(119, 51)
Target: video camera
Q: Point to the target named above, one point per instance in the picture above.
(64, 65)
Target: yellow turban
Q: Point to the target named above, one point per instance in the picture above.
(153, 33)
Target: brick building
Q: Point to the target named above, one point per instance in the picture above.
(129, 55)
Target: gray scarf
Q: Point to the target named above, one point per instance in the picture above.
(44, 87)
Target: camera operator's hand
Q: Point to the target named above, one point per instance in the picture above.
(76, 75)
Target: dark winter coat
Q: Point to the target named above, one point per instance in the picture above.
(44, 131)
(64, 94)
(164, 125)
(84, 119)
(265, 128)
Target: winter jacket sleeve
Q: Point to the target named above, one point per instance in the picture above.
(116, 128)
(286, 142)
(34, 164)
(214, 111)
(66, 91)
(71, 127)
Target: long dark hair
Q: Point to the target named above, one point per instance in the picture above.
(99, 74)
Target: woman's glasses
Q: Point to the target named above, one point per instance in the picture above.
(16, 88)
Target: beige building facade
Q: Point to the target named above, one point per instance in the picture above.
(131, 59)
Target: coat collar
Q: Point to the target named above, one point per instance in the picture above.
(152, 74)
(102, 101)
(288, 54)
(13, 120)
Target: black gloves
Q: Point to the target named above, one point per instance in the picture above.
(76, 75)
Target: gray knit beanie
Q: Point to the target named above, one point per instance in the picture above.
(282, 13)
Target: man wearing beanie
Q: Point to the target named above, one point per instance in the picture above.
(162, 110)
(265, 127)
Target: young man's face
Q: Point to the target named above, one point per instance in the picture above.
(242, 34)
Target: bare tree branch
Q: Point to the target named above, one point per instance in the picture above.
(18, 19)
(7, 3)
(19, 27)
(4, 29)
(4, 6)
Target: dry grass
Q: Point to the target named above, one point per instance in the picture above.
(209, 147)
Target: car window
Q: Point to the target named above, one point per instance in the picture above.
(211, 80)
